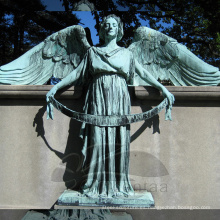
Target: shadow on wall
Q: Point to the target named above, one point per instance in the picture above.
(70, 159)
(70, 168)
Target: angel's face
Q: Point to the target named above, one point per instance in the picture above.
(111, 28)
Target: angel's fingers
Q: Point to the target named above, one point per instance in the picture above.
(171, 99)
(49, 111)
(49, 94)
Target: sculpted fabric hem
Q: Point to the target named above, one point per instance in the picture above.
(112, 120)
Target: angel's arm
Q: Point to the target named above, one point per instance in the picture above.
(146, 76)
(68, 80)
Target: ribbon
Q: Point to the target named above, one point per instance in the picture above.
(112, 120)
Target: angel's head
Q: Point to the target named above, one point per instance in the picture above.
(113, 25)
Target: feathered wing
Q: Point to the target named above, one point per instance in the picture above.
(57, 56)
(166, 59)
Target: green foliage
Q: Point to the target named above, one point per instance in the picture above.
(25, 24)
(195, 23)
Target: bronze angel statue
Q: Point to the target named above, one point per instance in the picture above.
(108, 70)
(61, 53)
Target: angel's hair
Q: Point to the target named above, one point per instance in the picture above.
(120, 27)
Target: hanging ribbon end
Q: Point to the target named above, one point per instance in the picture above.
(168, 113)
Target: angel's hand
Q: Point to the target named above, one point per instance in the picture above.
(171, 100)
(52, 92)
(169, 96)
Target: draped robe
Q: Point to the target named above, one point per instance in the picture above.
(106, 149)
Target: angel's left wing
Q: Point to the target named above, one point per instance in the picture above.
(57, 56)
(166, 59)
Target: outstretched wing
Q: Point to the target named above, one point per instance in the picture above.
(166, 59)
(57, 56)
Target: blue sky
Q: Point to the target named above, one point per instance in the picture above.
(53, 5)
(56, 5)
(86, 17)
(87, 20)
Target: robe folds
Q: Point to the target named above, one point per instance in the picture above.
(106, 149)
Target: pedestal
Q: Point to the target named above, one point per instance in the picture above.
(74, 199)
(76, 215)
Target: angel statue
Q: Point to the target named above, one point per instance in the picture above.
(162, 56)
(108, 70)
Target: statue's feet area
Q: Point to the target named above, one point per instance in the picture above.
(111, 195)
(141, 199)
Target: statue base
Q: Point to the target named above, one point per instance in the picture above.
(75, 214)
(73, 199)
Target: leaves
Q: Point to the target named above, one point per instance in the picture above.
(195, 23)
(25, 24)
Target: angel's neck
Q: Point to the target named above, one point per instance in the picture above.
(110, 44)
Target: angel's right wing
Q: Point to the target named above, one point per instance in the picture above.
(166, 59)
(57, 56)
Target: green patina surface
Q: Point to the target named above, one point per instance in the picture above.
(140, 199)
(108, 70)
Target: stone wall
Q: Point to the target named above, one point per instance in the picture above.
(177, 161)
